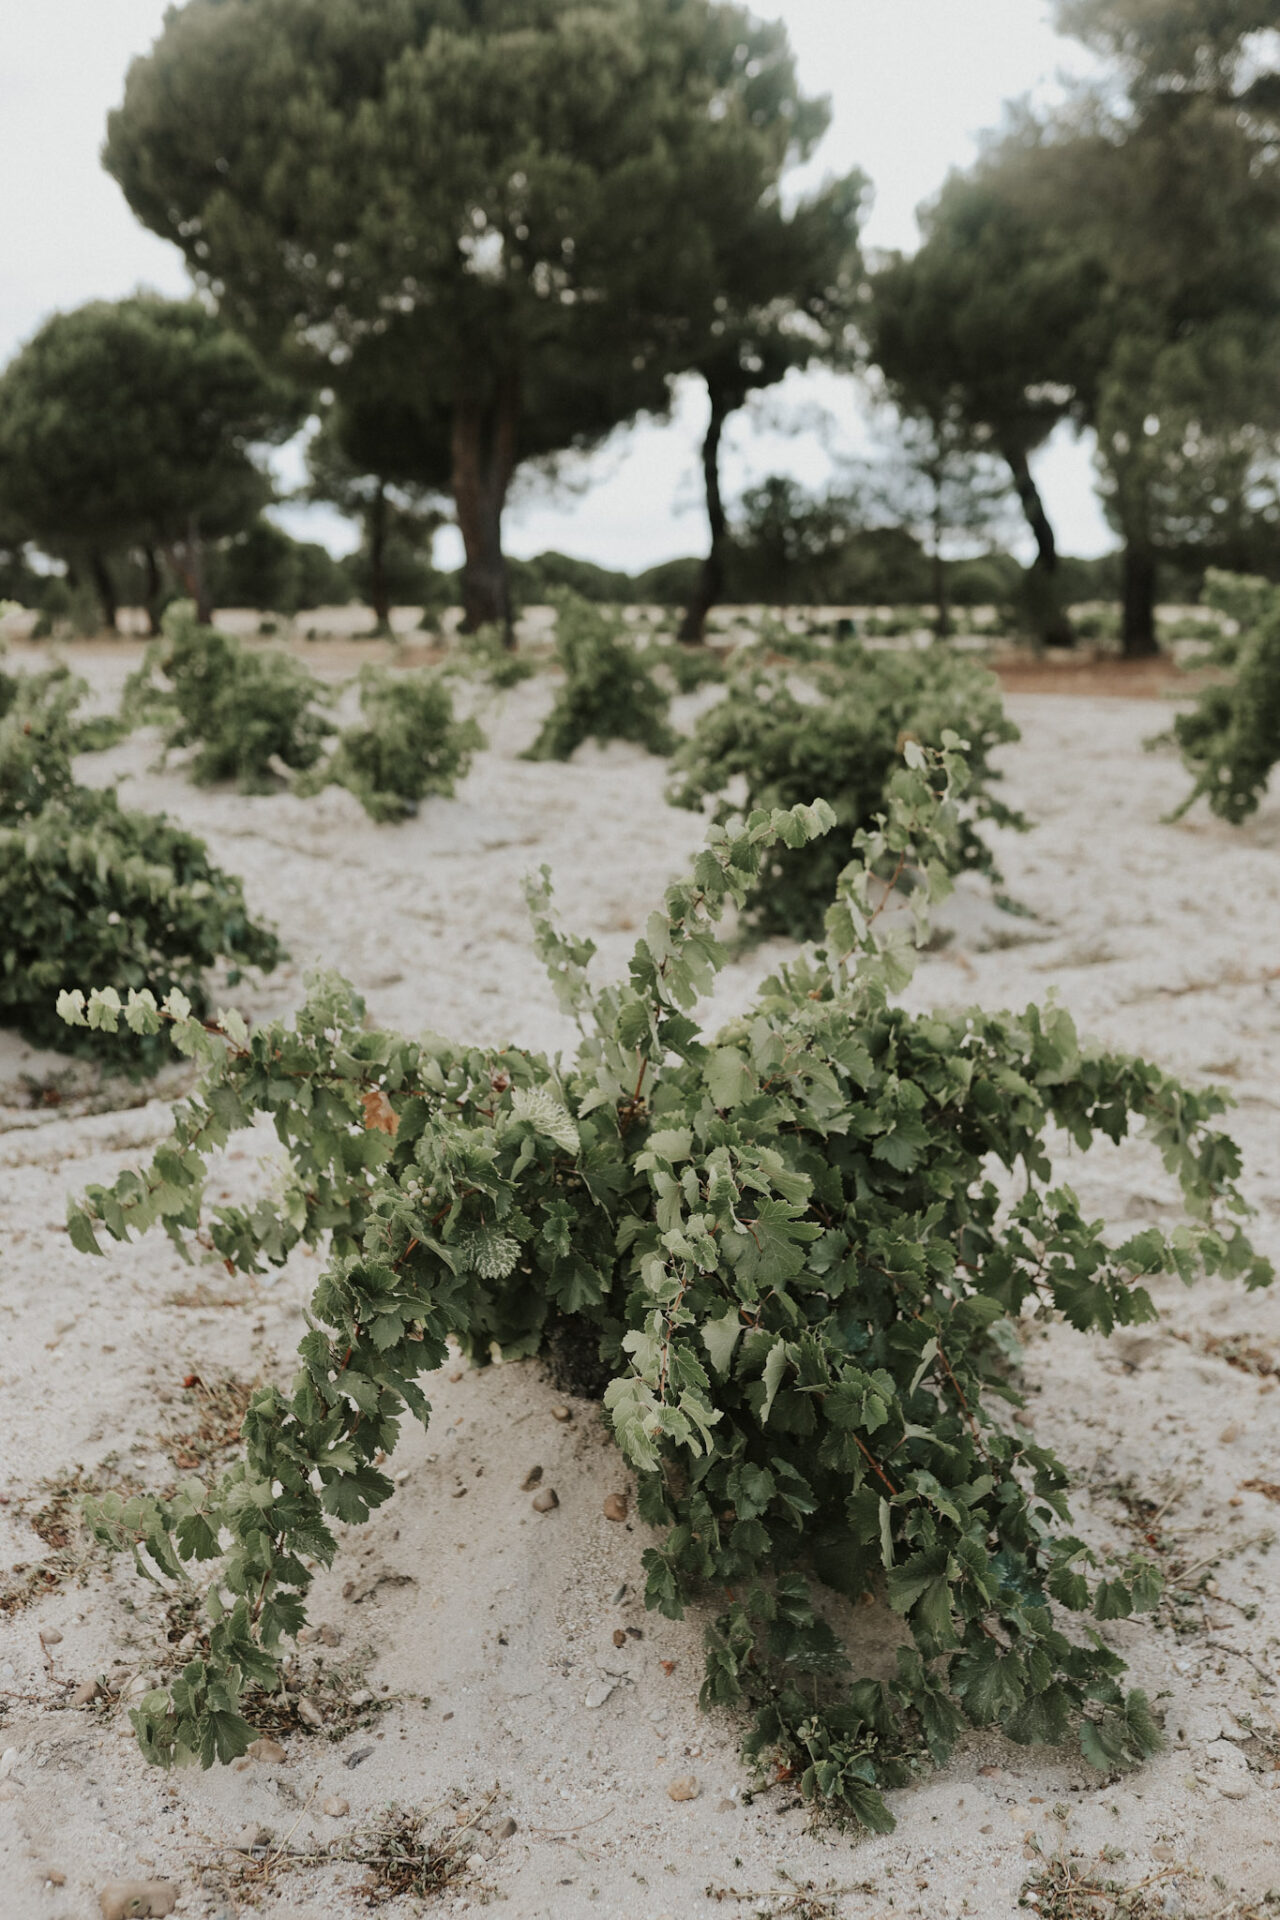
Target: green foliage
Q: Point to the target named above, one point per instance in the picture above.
(484, 655)
(791, 1245)
(125, 422)
(1230, 739)
(837, 728)
(264, 567)
(607, 693)
(410, 744)
(240, 708)
(544, 190)
(690, 667)
(91, 890)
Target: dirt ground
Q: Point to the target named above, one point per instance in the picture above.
(466, 1670)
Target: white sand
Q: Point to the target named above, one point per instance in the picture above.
(1163, 938)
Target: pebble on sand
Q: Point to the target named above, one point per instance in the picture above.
(138, 1899)
(335, 1806)
(543, 1502)
(561, 1413)
(266, 1749)
(615, 1506)
(531, 1479)
(685, 1788)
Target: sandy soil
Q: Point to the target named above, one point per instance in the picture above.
(482, 1630)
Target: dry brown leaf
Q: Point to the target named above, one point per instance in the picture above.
(379, 1114)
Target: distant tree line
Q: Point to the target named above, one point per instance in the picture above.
(471, 238)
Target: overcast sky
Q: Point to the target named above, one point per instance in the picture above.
(912, 84)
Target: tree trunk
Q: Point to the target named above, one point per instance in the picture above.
(942, 624)
(199, 581)
(186, 558)
(377, 560)
(484, 459)
(1049, 618)
(710, 585)
(104, 587)
(155, 588)
(1138, 624)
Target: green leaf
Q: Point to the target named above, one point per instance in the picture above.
(730, 1079)
(720, 1337)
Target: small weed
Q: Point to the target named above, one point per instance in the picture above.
(58, 1523)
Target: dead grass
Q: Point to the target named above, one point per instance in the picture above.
(408, 1853)
(1064, 1889)
(213, 1413)
(58, 1522)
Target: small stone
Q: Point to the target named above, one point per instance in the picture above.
(504, 1829)
(561, 1413)
(335, 1806)
(252, 1838)
(328, 1636)
(50, 1637)
(531, 1479)
(685, 1788)
(544, 1502)
(361, 1698)
(619, 1637)
(476, 1862)
(87, 1692)
(357, 1758)
(309, 1713)
(1163, 1851)
(266, 1749)
(1229, 1435)
(597, 1695)
(138, 1899)
(615, 1506)
(52, 1876)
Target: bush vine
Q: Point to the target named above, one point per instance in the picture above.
(790, 1247)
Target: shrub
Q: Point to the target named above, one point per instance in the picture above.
(837, 729)
(243, 710)
(690, 667)
(90, 890)
(607, 694)
(54, 692)
(410, 744)
(484, 655)
(786, 1244)
(1230, 739)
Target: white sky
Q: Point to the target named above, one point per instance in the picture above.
(912, 83)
